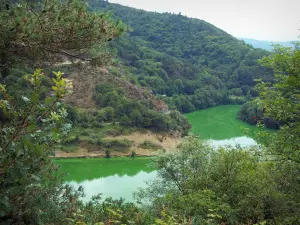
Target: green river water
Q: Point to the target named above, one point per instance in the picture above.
(115, 177)
(120, 177)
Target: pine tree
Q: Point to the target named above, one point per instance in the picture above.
(39, 32)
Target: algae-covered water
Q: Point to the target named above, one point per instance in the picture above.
(221, 126)
(120, 177)
(115, 177)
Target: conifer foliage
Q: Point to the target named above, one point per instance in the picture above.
(51, 31)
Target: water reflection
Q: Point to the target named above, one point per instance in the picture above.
(115, 186)
(240, 141)
(115, 177)
(80, 170)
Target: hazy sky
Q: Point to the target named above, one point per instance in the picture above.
(275, 20)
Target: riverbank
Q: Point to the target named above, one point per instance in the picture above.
(219, 125)
(143, 145)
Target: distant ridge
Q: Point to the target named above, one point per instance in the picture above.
(267, 45)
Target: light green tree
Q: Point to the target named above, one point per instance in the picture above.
(29, 186)
(281, 102)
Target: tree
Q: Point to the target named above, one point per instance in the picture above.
(110, 113)
(281, 102)
(124, 121)
(179, 85)
(29, 186)
(53, 31)
(136, 118)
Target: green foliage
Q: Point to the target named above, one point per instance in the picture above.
(110, 212)
(31, 131)
(281, 102)
(107, 153)
(251, 113)
(114, 145)
(135, 113)
(133, 154)
(71, 139)
(32, 120)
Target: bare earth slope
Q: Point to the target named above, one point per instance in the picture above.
(166, 142)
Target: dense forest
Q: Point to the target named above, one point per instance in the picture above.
(190, 63)
(196, 184)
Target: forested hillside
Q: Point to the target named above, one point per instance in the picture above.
(189, 62)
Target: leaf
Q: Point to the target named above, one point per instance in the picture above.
(49, 101)
(38, 150)
(35, 97)
(55, 136)
(4, 201)
(28, 143)
(31, 127)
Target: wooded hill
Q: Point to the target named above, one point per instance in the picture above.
(189, 62)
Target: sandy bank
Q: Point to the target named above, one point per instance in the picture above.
(167, 143)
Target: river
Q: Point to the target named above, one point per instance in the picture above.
(120, 177)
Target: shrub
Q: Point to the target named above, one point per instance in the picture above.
(107, 154)
(114, 145)
(92, 142)
(71, 139)
(96, 124)
(133, 154)
(150, 145)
